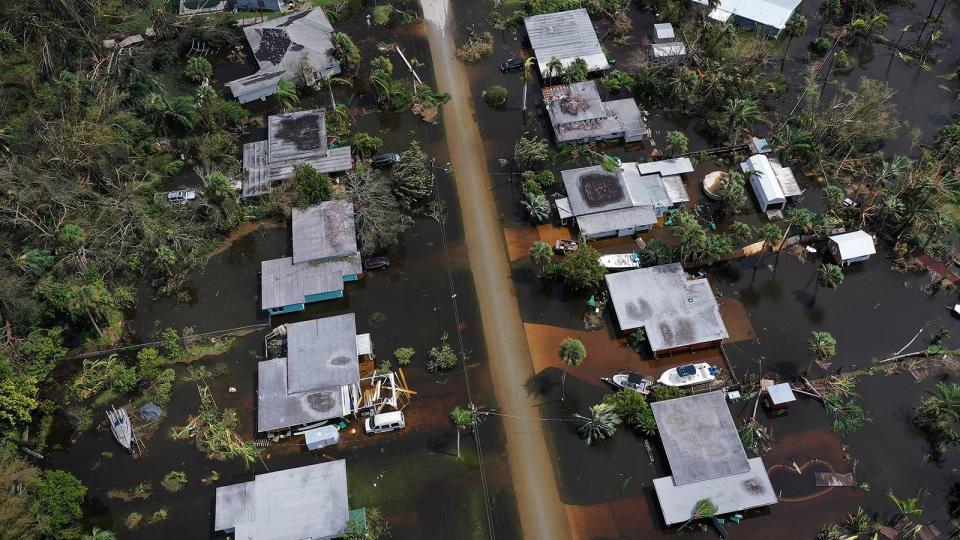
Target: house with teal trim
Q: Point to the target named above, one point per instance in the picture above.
(325, 256)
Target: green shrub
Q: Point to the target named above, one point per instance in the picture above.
(442, 358)
(476, 49)
(495, 96)
(404, 355)
(174, 481)
(820, 45)
(198, 68)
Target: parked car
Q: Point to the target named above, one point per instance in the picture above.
(384, 422)
(376, 263)
(512, 64)
(385, 160)
(182, 196)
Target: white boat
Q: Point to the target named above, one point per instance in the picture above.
(620, 260)
(120, 426)
(689, 374)
(955, 308)
(630, 381)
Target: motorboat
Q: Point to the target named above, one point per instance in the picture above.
(689, 375)
(629, 381)
(565, 246)
(120, 426)
(620, 261)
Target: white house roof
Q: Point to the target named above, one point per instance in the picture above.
(854, 244)
(306, 502)
(758, 166)
(663, 31)
(772, 13)
(566, 36)
(667, 167)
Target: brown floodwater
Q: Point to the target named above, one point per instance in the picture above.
(607, 487)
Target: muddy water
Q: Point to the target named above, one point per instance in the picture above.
(607, 487)
(413, 475)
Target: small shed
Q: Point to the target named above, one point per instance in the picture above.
(852, 247)
(320, 437)
(663, 32)
(779, 396)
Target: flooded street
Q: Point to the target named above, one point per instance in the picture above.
(510, 365)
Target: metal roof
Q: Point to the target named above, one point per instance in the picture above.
(784, 175)
(563, 208)
(577, 102)
(278, 408)
(673, 310)
(322, 353)
(667, 167)
(663, 31)
(731, 494)
(781, 393)
(853, 245)
(758, 167)
(323, 231)
(699, 438)
(591, 190)
(305, 502)
(669, 49)
(615, 220)
(287, 43)
(566, 36)
(283, 283)
(297, 136)
(676, 190)
(771, 13)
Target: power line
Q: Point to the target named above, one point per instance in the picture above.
(527, 417)
(441, 221)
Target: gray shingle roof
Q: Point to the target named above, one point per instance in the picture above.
(616, 220)
(322, 353)
(674, 311)
(323, 231)
(278, 408)
(305, 502)
(592, 189)
(699, 438)
(283, 45)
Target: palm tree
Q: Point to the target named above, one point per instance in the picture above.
(796, 26)
(331, 80)
(907, 507)
(554, 67)
(601, 423)
(822, 346)
(462, 419)
(705, 508)
(541, 254)
(528, 64)
(743, 113)
(830, 275)
(769, 235)
(99, 534)
(287, 95)
(572, 352)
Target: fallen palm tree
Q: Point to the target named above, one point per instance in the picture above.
(216, 431)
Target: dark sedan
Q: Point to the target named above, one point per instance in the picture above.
(376, 263)
(512, 64)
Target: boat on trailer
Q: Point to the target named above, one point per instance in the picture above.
(566, 246)
(689, 375)
(120, 426)
(629, 381)
(620, 261)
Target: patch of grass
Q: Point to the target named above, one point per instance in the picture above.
(142, 490)
(174, 481)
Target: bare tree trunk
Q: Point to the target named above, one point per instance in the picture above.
(524, 106)
(563, 385)
(93, 321)
(458, 443)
